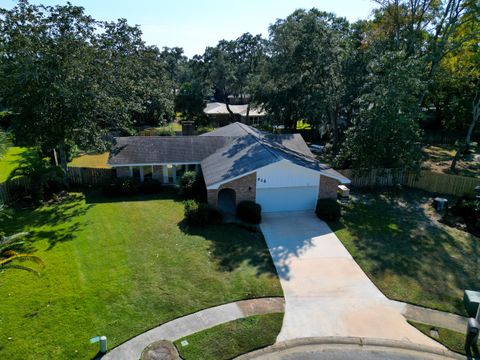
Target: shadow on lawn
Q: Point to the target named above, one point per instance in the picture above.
(393, 234)
(55, 223)
(96, 197)
(233, 245)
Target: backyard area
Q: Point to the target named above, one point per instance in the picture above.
(98, 161)
(118, 267)
(398, 241)
(439, 158)
(10, 161)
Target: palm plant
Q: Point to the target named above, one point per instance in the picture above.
(9, 257)
(39, 171)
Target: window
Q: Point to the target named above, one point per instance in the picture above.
(136, 172)
(147, 172)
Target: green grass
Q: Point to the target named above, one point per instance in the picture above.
(232, 339)
(10, 161)
(91, 161)
(452, 340)
(409, 255)
(302, 125)
(118, 268)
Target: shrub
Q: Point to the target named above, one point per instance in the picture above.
(250, 212)
(198, 214)
(328, 209)
(122, 186)
(192, 186)
(186, 185)
(151, 186)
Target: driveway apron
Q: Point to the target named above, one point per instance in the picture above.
(326, 292)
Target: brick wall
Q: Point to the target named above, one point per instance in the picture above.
(245, 189)
(123, 171)
(328, 188)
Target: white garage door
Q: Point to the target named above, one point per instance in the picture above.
(287, 198)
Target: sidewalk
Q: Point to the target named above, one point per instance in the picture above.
(432, 317)
(190, 324)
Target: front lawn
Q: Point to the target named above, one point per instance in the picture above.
(118, 268)
(231, 339)
(410, 256)
(453, 340)
(11, 160)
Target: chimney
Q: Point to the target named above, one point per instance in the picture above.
(188, 128)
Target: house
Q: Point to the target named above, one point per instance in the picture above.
(238, 163)
(218, 113)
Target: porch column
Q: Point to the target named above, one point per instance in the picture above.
(165, 174)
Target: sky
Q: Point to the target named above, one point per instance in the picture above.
(196, 24)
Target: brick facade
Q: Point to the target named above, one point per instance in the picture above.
(123, 171)
(328, 188)
(245, 189)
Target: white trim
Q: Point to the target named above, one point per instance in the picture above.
(216, 185)
(157, 164)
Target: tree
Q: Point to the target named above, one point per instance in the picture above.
(46, 67)
(190, 99)
(39, 171)
(305, 75)
(72, 79)
(384, 131)
(475, 116)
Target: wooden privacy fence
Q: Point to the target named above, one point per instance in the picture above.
(442, 183)
(427, 180)
(89, 176)
(8, 189)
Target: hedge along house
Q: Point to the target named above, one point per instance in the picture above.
(238, 163)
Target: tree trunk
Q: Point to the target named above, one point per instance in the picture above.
(333, 114)
(232, 115)
(63, 156)
(475, 115)
(247, 119)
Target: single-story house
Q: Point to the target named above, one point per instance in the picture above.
(218, 113)
(238, 163)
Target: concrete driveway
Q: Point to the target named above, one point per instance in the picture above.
(326, 292)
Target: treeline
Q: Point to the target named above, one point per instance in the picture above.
(368, 87)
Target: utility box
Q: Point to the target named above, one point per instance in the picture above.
(440, 203)
(343, 191)
(471, 300)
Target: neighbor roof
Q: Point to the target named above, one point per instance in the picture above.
(164, 149)
(218, 108)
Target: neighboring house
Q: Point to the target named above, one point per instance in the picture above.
(218, 113)
(238, 163)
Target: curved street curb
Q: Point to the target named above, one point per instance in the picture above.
(336, 340)
(189, 324)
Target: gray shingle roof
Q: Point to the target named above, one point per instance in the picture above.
(225, 153)
(164, 149)
(243, 155)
